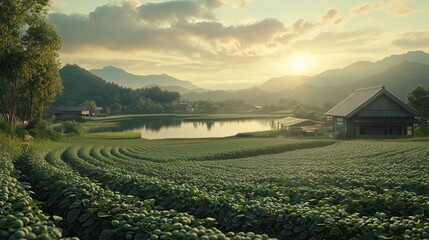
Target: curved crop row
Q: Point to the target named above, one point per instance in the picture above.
(20, 217)
(239, 152)
(316, 218)
(93, 212)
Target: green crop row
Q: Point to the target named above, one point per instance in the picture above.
(20, 216)
(91, 211)
(204, 152)
(335, 192)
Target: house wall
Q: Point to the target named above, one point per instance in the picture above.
(340, 126)
(383, 107)
(384, 131)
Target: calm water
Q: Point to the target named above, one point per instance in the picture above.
(177, 128)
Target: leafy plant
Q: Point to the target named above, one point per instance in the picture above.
(72, 127)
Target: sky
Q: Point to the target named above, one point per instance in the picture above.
(233, 43)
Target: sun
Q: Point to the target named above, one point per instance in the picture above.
(298, 64)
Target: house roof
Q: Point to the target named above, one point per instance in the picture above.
(67, 109)
(292, 121)
(361, 98)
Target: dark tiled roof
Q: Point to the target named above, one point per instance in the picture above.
(354, 101)
(66, 109)
(291, 121)
(360, 98)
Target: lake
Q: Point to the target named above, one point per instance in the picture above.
(161, 128)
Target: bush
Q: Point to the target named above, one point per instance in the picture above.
(42, 129)
(10, 144)
(261, 134)
(6, 127)
(72, 127)
(422, 131)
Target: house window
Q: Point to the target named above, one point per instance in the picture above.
(340, 122)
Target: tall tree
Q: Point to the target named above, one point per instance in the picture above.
(418, 98)
(28, 59)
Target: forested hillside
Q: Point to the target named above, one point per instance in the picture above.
(80, 85)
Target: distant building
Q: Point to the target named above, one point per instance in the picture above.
(184, 107)
(99, 111)
(299, 125)
(61, 112)
(257, 108)
(372, 113)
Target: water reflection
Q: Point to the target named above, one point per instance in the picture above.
(160, 128)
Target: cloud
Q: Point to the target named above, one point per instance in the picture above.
(213, 3)
(332, 15)
(301, 26)
(331, 42)
(178, 11)
(164, 26)
(242, 35)
(57, 5)
(243, 3)
(366, 8)
(394, 8)
(413, 40)
(401, 8)
(190, 28)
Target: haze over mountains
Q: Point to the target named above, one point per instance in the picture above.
(349, 74)
(399, 73)
(125, 79)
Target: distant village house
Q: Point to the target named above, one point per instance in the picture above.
(99, 111)
(184, 108)
(62, 112)
(372, 113)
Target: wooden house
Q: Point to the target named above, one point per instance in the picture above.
(184, 107)
(294, 125)
(372, 113)
(62, 112)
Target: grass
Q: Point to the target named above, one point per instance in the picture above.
(112, 135)
(186, 117)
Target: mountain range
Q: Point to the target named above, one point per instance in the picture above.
(126, 79)
(349, 74)
(399, 73)
(399, 79)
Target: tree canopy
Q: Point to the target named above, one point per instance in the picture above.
(29, 77)
(418, 98)
(81, 85)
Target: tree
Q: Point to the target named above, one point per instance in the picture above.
(29, 65)
(44, 82)
(418, 98)
(91, 105)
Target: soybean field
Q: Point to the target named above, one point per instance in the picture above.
(223, 189)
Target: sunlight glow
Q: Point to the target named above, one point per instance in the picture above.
(298, 64)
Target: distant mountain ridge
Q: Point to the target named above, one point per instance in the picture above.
(280, 83)
(126, 79)
(363, 69)
(347, 75)
(399, 79)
